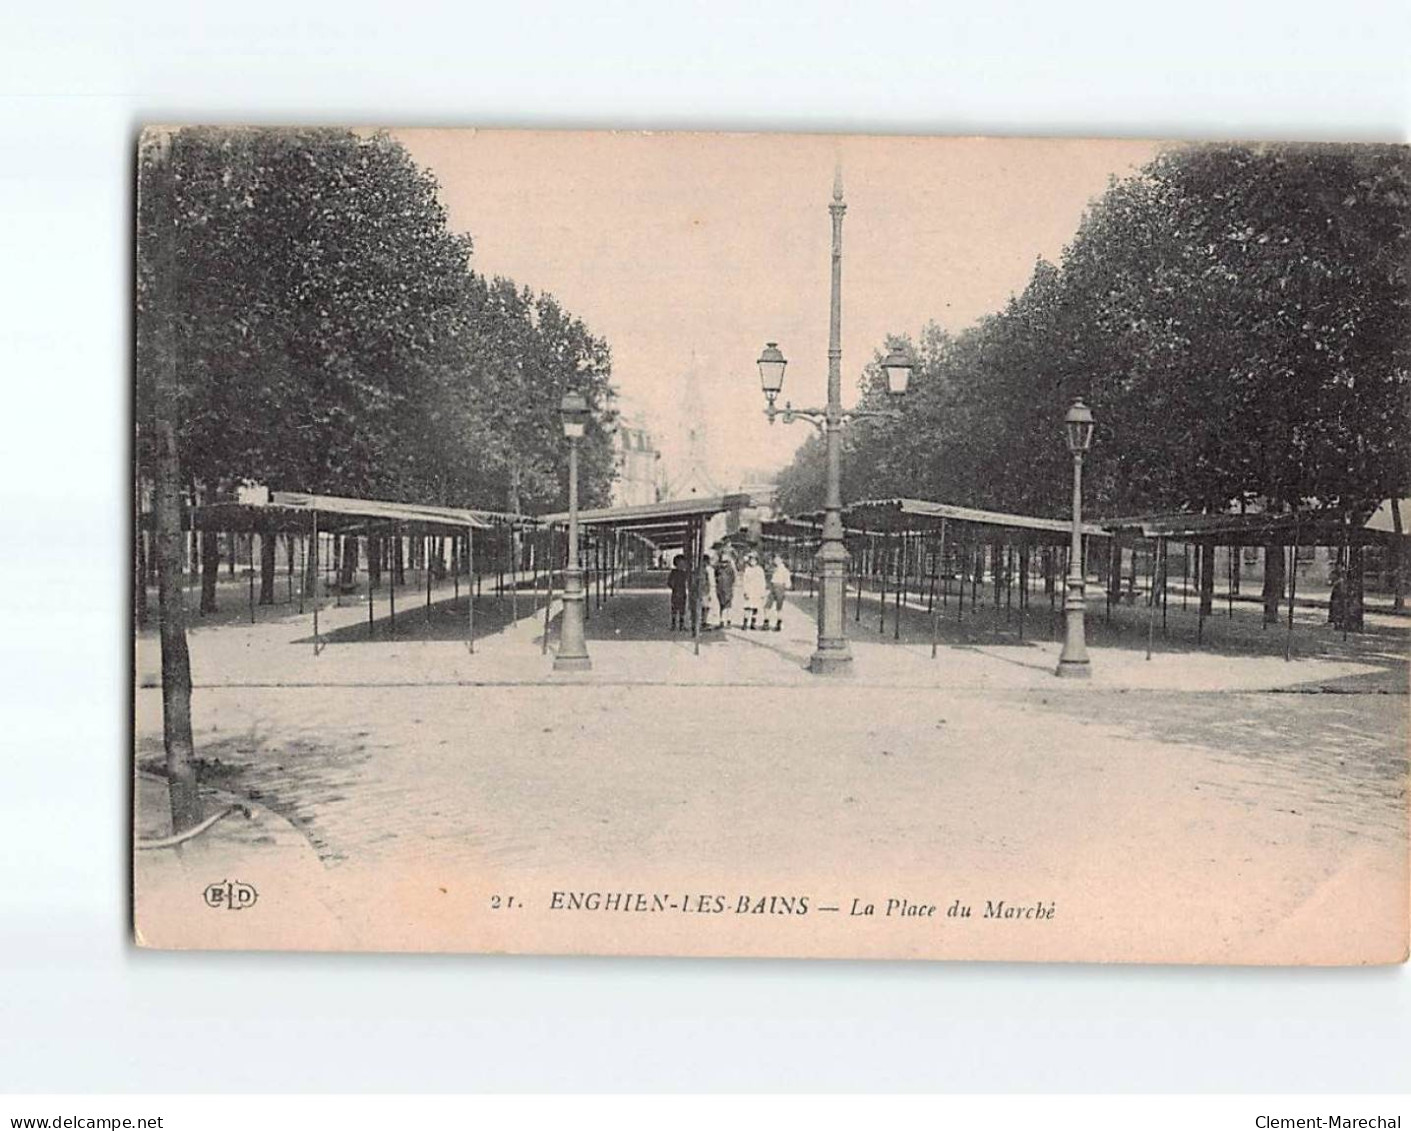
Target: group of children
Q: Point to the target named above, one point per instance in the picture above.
(760, 593)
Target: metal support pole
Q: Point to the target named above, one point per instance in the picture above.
(1345, 591)
(882, 588)
(859, 563)
(470, 592)
(548, 594)
(514, 571)
(962, 556)
(1230, 582)
(694, 561)
(1008, 560)
(1151, 597)
(1023, 585)
(939, 563)
(314, 571)
(1165, 549)
(901, 586)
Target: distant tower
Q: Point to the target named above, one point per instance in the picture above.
(694, 478)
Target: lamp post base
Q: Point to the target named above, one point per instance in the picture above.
(573, 648)
(1073, 660)
(833, 661)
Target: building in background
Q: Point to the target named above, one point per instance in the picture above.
(640, 478)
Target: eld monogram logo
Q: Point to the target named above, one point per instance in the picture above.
(232, 895)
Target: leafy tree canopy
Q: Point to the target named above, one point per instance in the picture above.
(1239, 319)
(327, 333)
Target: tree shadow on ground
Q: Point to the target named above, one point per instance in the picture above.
(1232, 629)
(293, 777)
(637, 613)
(444, 620)
(233, 604)
(640, 614)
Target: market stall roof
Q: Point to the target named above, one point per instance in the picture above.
(293, 512)
(666, 525)
(1324, 526)
(893, 514)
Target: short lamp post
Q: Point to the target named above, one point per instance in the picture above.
(1073, 663)
(573, 647)
(832, 654)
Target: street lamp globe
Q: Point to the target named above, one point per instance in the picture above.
(898, 367)
(574, 410)
(1078, 428)
(771, 370)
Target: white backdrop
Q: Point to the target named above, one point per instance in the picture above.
(81, 1010)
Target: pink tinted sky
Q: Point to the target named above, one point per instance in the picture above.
(674, 246)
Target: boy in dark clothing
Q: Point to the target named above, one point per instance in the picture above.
(680, 582)
(725, 588)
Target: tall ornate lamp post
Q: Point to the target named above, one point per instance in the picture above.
(1073, 663)
(573, 648)
(832, 654)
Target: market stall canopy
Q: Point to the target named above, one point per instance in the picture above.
(903, 514)
(1322, 526)
(665, 525)
(293, 512)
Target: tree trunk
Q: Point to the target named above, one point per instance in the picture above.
(210, 569)
(1337, 586)
(1207, 576)
(139, 567)
(514, 504)
(184, 793)
(374, 561)
(399, 562)
(348, 566)
(310, 567)
(266, 567)
(231, 546)
(1398, 595)
(1274, 581)
(182, 790)
(1353, 606)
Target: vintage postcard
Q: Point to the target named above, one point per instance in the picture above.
(769, 545)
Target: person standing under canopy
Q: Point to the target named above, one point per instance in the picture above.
(705, 586)
(725, 587)
(753, 586)
(679, 581)
(780, 582)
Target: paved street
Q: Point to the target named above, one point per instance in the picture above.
(1180, 820)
